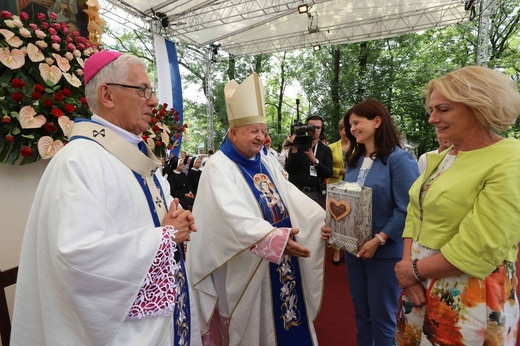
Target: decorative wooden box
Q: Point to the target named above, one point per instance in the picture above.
(349, 214)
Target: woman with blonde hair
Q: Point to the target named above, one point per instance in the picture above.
(460, 240)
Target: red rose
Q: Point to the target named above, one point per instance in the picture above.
(6, 119)
(9, 138)
(162, 111)
(145, 138)
(24, 15)
(165, 105)
(26, 152)
(17, 96)
(36, 95)
(69, 108)
(6, 14)
(17, 83)
(59, 97)
(156, 128)
(39, 88)
(177, 136)
(170, 147)
(66, 92)
(44, 25)
(176, 118)
(176, 113)
(185, 126)
(48, 103)
(41, 16)
(158, 143)
(56, 112)
(159, 116)
(84, 101)
(53, 16)
(50, 127)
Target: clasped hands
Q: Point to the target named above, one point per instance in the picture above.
(182, 220)
(412, 289)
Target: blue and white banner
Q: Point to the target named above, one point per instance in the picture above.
(169, 79)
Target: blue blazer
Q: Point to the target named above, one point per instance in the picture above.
(390, 184)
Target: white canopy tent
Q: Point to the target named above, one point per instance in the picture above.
(249, 27)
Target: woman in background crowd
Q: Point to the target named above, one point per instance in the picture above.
(375, 159)
(194, 173)
(458, 268)
(180, 186)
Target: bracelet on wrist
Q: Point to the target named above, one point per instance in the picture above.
(416, 271)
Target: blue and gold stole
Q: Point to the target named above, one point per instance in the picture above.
(144, 168)
(290, 314)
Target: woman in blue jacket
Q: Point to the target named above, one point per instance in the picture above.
(375, 158)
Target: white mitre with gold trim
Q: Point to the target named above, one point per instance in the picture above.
(245, 102)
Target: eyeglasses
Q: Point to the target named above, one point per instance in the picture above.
(145, 91)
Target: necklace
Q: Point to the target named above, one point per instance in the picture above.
(446, 162)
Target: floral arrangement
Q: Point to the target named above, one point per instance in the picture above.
(165, 130)
(41, 85)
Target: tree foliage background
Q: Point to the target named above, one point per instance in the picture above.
(394, 71)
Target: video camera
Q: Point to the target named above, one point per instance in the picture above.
(302, 140)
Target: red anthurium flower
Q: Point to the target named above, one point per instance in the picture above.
(9, 138)
(56, 112)
(26, 152)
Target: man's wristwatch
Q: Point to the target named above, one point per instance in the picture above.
(316, 163)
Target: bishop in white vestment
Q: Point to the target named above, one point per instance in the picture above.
(256, 279)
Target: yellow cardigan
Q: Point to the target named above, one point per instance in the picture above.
(472, 211)
(337, 162)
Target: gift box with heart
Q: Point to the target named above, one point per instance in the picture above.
(349, 214)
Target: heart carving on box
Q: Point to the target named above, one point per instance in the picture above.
(338, 209)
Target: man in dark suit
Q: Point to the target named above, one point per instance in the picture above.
(309, 167)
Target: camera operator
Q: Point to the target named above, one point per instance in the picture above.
(309, 162)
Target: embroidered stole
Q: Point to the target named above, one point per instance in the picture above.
(144, 168)
(290, 315)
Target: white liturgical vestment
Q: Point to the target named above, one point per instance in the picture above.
(223, 271)
(89, 243)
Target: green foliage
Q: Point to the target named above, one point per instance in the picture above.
(393, 70)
